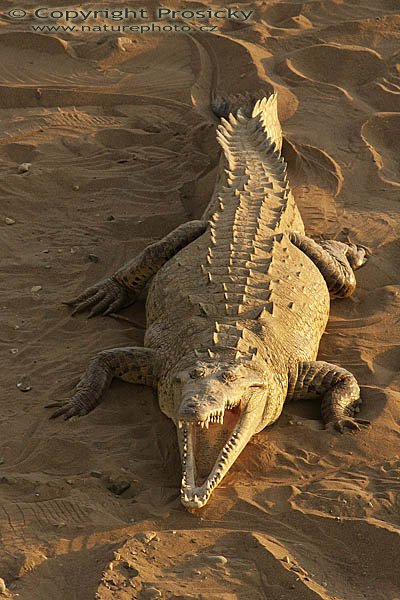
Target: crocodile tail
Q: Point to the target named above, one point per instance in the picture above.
(223, 106)
(251, 106)
(267, 109)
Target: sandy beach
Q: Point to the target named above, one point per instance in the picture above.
(118, 139)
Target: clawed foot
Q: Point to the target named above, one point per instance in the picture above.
(347, 423)
(103, 298)
(79, 405)
(357, 255)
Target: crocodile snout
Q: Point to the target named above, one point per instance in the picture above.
(201, 409)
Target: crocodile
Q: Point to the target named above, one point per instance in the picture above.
(236, 307)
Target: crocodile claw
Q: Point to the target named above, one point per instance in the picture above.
(78, 406)
(102, 299)
(357, 255)
(348, 423)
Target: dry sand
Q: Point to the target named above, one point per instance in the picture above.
(122, 149)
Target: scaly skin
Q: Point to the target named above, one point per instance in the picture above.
(235, 311)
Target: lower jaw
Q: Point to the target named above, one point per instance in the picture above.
(197, 496)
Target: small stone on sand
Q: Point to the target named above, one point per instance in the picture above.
(9, 221)
(24, 388)
(119, 487)
(151, 593)
(147, 537)
(24, 167)
(96, 474)
(218, 560)
(36, 288)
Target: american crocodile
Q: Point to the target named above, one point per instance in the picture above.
(235, 311)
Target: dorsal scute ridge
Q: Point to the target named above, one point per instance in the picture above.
(234, 337)
(267, 108)
(232, 119)
(225, 125)
(247, 144)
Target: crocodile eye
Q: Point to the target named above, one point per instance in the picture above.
(197, 372)
(228, 376)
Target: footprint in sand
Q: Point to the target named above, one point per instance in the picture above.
(381, 133)
(348, 67)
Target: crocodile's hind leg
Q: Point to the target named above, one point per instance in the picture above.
(337, 387)
(337, 262)
(136, 365)
(122, 288)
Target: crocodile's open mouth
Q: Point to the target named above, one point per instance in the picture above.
(222, 428)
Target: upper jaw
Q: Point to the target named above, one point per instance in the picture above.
(205, 412)
(204, 409)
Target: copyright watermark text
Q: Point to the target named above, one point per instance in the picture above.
(129, 14)
(127, 20)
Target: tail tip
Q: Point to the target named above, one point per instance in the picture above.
(224, 105)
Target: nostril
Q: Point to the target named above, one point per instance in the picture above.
(190, 407)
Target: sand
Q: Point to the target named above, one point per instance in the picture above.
(121, 142)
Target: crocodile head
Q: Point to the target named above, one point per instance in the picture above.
(219, 408)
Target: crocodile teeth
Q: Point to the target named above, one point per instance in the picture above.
(180, 424)
(217, 417)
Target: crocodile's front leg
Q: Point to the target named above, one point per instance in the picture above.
(122, 288)
(337, 387)
(336, 261)
(136, 365)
